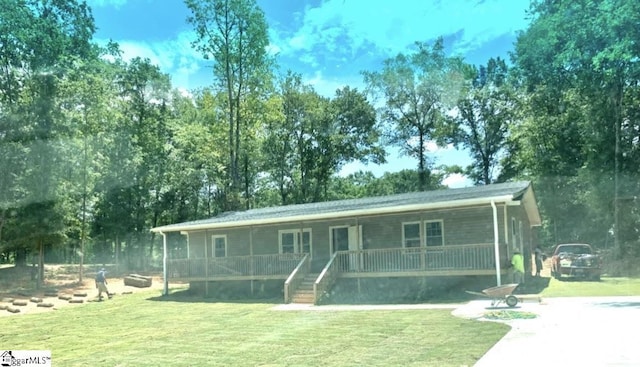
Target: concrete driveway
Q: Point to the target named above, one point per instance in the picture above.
(594, 331)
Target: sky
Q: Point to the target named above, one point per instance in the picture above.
(328, 42)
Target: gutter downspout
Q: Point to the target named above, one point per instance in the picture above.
(165, 272)
(496, 244)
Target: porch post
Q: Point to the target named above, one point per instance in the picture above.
(206, 264)
(165, 272)
(496, 244)
(251, 270)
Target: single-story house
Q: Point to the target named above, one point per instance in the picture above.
(449, 232)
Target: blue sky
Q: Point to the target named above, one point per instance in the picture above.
(329, 42)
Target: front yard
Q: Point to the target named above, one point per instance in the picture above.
(137, 330)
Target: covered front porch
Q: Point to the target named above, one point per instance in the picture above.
(476, 259)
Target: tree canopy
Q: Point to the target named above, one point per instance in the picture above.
(98, 149)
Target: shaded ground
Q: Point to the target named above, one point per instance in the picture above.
(16, 284)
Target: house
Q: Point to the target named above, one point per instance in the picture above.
(451, 232)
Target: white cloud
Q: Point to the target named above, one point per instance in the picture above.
(392, 28)
(327, 86)
(175, 57)
(456, 180)
(104, 3)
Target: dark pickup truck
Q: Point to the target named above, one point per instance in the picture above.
(577, 260)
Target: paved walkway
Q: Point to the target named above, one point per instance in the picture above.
(596, 331)
(306, 307)
(593, 331)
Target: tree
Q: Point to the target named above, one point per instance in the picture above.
(484, 116)
(418, 90)
(86, 93)
(131, 188)
(312, 137)
(40, 42)
(233, 33)
(578, 61)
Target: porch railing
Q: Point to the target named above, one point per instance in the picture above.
(458, 257)
(326, 278)
(233, 266)
(442, 258)
(296, 277)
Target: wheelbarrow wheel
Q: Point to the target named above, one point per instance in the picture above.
(512, 301)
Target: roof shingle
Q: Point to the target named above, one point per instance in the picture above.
(513, 189)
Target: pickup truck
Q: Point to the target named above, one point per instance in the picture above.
(577, 260)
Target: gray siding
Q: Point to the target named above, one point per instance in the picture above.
(461, 226)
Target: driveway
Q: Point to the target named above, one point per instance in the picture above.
(594, 331)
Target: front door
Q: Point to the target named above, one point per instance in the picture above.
(347, 238)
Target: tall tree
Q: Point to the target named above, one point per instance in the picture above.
(578, 60)
(233, 34)
(484, 115)
(418, 89)
(312, 137)
(132, 185)
(51, 36)
(86, 95)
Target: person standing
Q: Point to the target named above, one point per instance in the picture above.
(101, 284)
(517, 263)
(539, 258)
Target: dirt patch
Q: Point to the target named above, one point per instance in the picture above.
(61, 289)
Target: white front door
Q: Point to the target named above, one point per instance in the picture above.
(355, 243)
(347, 238)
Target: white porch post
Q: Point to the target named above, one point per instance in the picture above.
(496, 244)
(165, 271)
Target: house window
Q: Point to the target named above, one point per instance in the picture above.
(411, 234)
(433, 233)
(218, 246)
(339, 239)
(514, 232)
(295, 241)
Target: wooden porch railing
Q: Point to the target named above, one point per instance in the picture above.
(297, 276)
(233, 266)
(453, 257)
(326, 278)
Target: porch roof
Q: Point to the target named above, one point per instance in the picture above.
(511, 192)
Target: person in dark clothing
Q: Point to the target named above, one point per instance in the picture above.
(539, 258)
(101, 284)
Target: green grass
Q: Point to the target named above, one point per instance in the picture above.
(134, 330)
(606, 287)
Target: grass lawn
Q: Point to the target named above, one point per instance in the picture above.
(606, 287)
(134, 330)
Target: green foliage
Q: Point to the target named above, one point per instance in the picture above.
(418, 90)
(96, 150)
(484, 116)
(309, 138)
(578, 63)
(233, 33)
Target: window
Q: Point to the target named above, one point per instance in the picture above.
(218, 246)
(295, 241)
(411, 234)
(433, 233)
(339, 239)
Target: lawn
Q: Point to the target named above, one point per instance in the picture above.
(606, 287)
(135, 330)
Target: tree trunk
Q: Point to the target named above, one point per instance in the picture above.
(40, 281)
(421, 164)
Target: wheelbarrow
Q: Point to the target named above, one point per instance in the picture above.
(499, 294)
